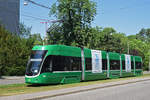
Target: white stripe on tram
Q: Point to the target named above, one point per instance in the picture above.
(35, 59)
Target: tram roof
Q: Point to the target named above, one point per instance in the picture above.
(76, 51)
(60, 50)
(65, 50)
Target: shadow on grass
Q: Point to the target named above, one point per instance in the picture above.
(42, 85)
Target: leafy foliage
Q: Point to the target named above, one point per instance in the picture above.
(144, 35)
(24, 30)
(14, 52)
(77, 16)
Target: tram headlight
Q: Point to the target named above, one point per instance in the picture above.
(44, 75)
(35, 71)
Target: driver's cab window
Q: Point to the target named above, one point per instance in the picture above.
(47, 65)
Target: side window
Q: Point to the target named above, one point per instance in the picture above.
(132, 65)
(76, 64)
(114, 64)
(66, 63)
(47, 65)
(58, 64)
(88, 64)
(138, 65)
(123, 65)
(104, 64)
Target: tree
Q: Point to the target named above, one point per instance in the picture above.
(144, 35)
(107, 39)
(132, 37)
(24, 31)
(55, 34)
(15, 51)
(77, 16)
(143, 46)
(95, 38)
(35, 39)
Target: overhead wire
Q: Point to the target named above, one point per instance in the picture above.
(29, 13)
(38, 4)
(16, 13)
(33, 17)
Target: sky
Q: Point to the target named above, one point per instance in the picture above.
(125, 16)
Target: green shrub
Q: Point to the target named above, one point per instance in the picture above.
(14, 53)
(15, 71)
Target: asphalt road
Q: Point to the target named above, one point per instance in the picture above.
(12, 80)
(134, 91)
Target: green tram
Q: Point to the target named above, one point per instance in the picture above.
(55, 64)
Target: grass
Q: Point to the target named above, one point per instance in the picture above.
(14, 89)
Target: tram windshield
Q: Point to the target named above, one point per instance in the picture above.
(38, 54)
(35, 62)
